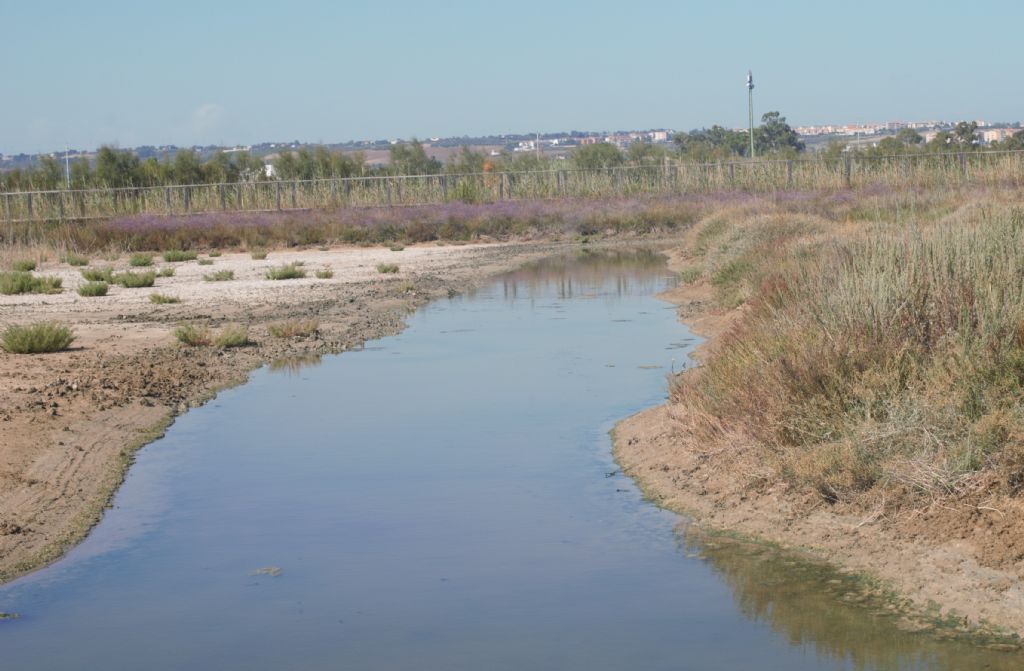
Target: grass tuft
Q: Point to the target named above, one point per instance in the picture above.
(105, 274)
(23, 265)
(232, 335)
(37, 338)
(387, 268)
(293, 327)
(178, 255)
(289, 271)
(93, 289)
(166, 271)
(140, 260)
(191, 335)
(163, 299)
(259, 254)
(214, 254)
(324, 274)
(73, 259)
(220, 276)
(21, 282)
(132, 280)
(205, 262)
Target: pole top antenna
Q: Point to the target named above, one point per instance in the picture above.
(750, 80)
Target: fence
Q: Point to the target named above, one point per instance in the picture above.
(669, 177)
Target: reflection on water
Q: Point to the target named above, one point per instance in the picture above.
(838, 615)
(589, 274)
(295, 363)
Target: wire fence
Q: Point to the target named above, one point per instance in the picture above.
(995, 168)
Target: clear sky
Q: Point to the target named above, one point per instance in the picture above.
(189, 72)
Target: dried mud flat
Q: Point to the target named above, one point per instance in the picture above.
(71, 421)
(960, 564)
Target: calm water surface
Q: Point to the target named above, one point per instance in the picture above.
(443, 499)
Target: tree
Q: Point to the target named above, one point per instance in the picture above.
(909, 136)
(410, 158)
(775, 135)
(1014, 142)
(712, 143)
(466, 162)
(965, 135)
(598, 156)
(115, 168)
(646, 153)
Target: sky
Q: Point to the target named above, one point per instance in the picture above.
(188, 72)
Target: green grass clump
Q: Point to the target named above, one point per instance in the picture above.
(73, 259)
(162, 299)
(259, 254)
(387, 268)
(214, 254)
(324, 274)
(21, 282)
(140, 260)
(293, 327)
(396, 247)
(93, 289)
(193, 336)
(23, 265)
(36, 338)
(205, 262)
(167, 271)
(289, 271)
(178, 255)
(105, 274)
(132, 280)
(232, 335)
(220, 276)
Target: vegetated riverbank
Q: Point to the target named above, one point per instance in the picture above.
(859, 394)
(71, 421)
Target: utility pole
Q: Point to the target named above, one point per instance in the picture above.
(67, 165)
(750, 105)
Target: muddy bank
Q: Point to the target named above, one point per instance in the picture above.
(70, 422)
(947, 562)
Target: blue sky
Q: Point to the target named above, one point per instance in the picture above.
(192, 72)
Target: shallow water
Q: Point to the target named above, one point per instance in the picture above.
(443, 499)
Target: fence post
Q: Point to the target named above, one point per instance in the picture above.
(223, 198)
(334, 192)
(846, 170)
(188, 199)
(732, 174)
(963, 164)
(444, 188)
(7, 206)
(60, 201)
(789, 174)
(277, 194)
(30, 213)
(238, 195)
(398, 189)
(167, 199)
(348, 190)
(387, 189)
(295, 188)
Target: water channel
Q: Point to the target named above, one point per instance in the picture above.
(442, 499)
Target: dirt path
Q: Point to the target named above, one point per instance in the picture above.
(70, 422)
(962, 562)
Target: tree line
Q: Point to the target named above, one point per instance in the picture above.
(773, 138)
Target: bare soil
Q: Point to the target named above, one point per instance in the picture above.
(70, 422)
(962, 560)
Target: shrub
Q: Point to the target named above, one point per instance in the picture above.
(220, 276)
(293, 327)
(98, 274)
(289, 271)
(396, 247)
(387, 268)
(73, 259)
(161, 299)
(166, 272)
(21, 282)
(140, 260)
(206, 262)
(23, 265)
(93, 289)
(324, 274)
(132, 280)
(178, 255)
(232, 335)
(36, 338)
(192, 335)
(259, 254)
(214, 254)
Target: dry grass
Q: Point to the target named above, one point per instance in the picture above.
(293, 327)
(878, 356)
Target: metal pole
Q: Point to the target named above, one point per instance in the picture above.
(750, 105)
